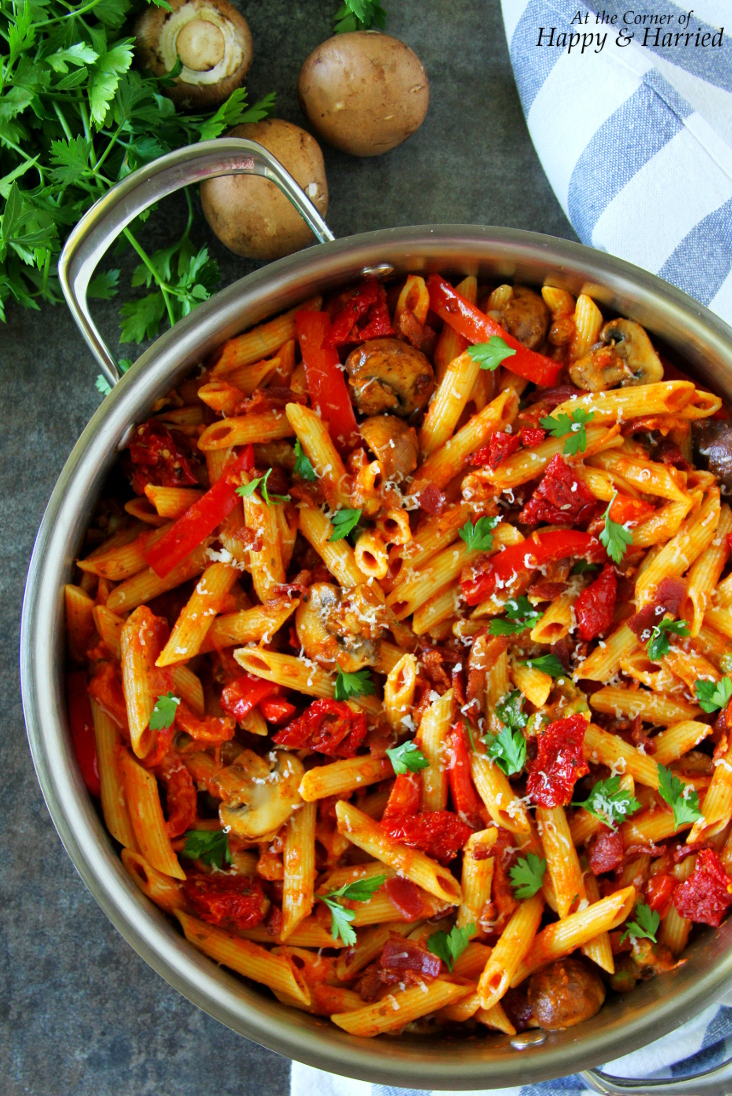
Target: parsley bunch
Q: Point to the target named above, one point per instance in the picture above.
(75, 118)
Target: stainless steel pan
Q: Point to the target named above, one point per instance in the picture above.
(655, 1007)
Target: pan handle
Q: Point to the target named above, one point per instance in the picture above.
(711, 1082)
(100, 225)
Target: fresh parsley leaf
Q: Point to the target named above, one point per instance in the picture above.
(356, 684)
(548, 664)
(490, 355)
(344, 522)
(359, 891)
(509, 710)
(359, 15)
(450, 946)
(614, 537)
(234, 112)
(407, 758)
(572, 424)
(208, 846)
(507, 749)
(713, 694)
(681, 797)
(141, 318)
(104, 286)
(645, 925)
(303, 465)
(260, 484)
(659, 643)
(163, 714)
(582, 567)
(609, 802)
(479, 536)
(521, 615)
(527, 875)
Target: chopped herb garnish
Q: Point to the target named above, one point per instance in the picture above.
(208, 846)
(163, 714)
(359, 891)
(507, 749)
(659, 643)
(407, 758)
(573, 425)
(520, 614)
(681, 797)
(352, 685)
(449, 946)
(303, 465)
(344, 522)
(509, 710)
(548, 664)
(609, 802)
(713, 695)
(479, 537)
(527, 875)
(582, 567)
(490, 355)
(260, 483)
(614, 537)
(359, 15)
(645, 925)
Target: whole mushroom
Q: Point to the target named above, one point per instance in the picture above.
(251, 215)
(364, 92)
(212, 40)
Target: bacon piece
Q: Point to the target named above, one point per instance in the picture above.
(546, 591)
(439, 834)
(432, 500)
(232, 901)
(560, 499)
(669, 595)
(605, 850)
(402, 955)
(559, 762)
(595, 606)
(706, 895)
(405, 895)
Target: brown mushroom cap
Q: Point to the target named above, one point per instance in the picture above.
(526, 317)
(251, 215)
(364, 92)
(389, 375)
(394, 443)
(212, 40)
(565, 993)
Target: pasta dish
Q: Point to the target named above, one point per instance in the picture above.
(399, 657)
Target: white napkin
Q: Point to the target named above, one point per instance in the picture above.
(636, 140)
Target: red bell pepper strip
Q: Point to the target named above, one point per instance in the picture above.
(659, 889)
(404, 797)
(535, 551)
(326, 383)
(277, 710)
(200, 519)
(245, 693)
(464, 798)
(476, 327)
(82, 730)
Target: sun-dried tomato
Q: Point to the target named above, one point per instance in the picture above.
(560, 499)
(605, 850)
(232, 901)
(329, 727)
(531, 435)
(181, 798)
(239, 698)
(706, 895)
(559, 762)
(481, 456)
(404, 797)
(406, 896)
(440, 834)
(401, 956)
(595, 606)
(159, 458)
(277, 710)
(659, 889)
(369, 305)
(501, 446)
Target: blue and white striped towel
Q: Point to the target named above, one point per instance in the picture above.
(637, 143)
(636, 140)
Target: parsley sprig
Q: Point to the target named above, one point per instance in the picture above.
(479, 535)
(527, 875)
(548, 664)
(260, 484)
(681, 797)
(614, 537)
(359, 15)
(303, 465)
(208, 846)
(609, 802)
(510, 710)
(75, 118)
(645, 925)
(353, 685)
(572, 425)
(507, 749)
(359, 891)
(344, 523)
(520, 615)
(407, 758)
(449, 946)
(490, 355)
(713, 695)
(659, 644)
(163, 714)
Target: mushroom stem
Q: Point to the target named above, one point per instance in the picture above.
(200, 45)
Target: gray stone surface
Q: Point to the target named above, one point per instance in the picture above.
(80, 1013)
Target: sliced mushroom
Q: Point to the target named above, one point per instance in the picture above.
(389, 375)
(624, 356)
(526, 317)
(211, 38)
(339, 627)
(259, 794)
(394, 444)
(713, 448)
